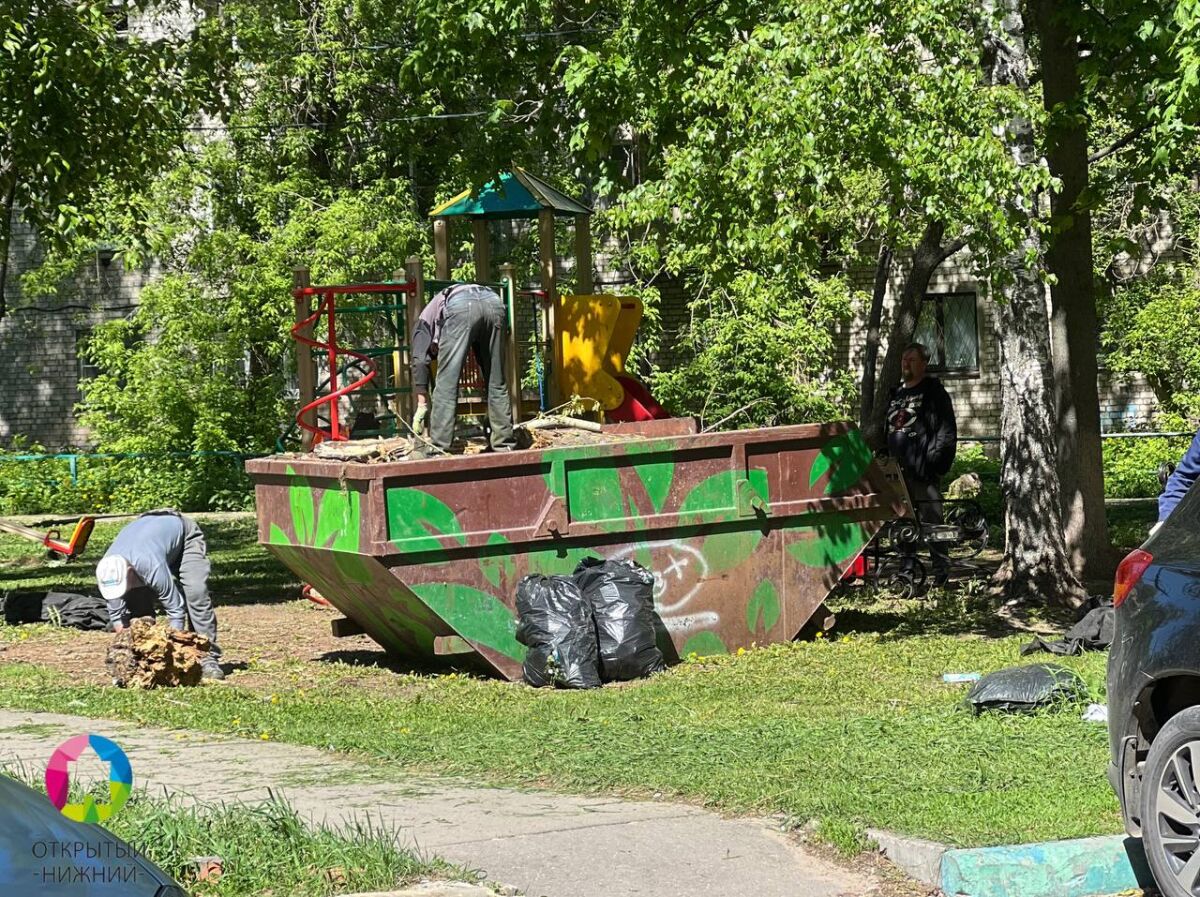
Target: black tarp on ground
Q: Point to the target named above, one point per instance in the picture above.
(1026, 688)
(60, 608)
(1092, 633)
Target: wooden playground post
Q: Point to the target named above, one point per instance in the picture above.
(413, 305)
(441, 249)
(483, 250)
(550, 285)
(509, 279)
(583, 255)
(306, 372)
(400, 402)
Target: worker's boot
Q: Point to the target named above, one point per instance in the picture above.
(210, 669)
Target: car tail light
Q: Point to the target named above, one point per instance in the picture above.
(1129, 572)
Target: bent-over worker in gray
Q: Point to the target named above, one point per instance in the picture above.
(459, 319)
(161, 556)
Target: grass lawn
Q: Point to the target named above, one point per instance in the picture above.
(266, 849)
(853, 729)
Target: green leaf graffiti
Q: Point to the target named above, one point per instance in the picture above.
(595, 493)
(499, 567)
(831, 543)
(845, 458)
(657, 479)
(762, 613)
(353, 568)
(278, 536)
(338, 522)
(704, 644)
(476, 616)
(416, 519)
(300, 498)
(723, 551)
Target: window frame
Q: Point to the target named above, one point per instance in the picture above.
(84, 369)
(939, 351)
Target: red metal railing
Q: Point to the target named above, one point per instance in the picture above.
(327, 305)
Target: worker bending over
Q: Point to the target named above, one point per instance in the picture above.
(161, 556)
(459, 319)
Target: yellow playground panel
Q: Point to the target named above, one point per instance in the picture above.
(595, 335)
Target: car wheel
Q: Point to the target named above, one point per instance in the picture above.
(1171, 806)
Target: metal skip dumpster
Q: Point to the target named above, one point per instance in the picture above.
(746, 532)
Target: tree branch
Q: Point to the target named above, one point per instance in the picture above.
(950, 248)
(1120, 144)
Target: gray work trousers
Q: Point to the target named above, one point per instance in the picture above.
(474, 321)
(193, 582)
(927, 503)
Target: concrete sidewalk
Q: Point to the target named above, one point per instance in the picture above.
(540, 843)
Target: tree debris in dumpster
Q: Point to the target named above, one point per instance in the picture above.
(539, 434)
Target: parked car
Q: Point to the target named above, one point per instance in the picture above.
(1154, 698)
(43, 852)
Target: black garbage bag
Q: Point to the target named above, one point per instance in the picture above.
(621, 593)
(60, 608)
(555, 621)
(1093, 633)
(1024, 689)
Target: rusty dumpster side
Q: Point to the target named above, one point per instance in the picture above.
(746, 533)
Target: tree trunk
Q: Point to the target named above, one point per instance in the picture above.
(926, 257)
(1036, 566)
(1074, 327)
(6, 210)
(883, 270)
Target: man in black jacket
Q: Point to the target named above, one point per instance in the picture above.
(922, 436)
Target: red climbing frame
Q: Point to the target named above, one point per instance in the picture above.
(327, 305)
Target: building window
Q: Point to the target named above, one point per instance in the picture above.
(88, 369)
(949, 328)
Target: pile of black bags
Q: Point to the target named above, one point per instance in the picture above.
(592, 627)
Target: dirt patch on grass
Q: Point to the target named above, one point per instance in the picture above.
(261, 644)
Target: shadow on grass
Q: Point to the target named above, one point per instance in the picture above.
(412, 666)
(964, 609)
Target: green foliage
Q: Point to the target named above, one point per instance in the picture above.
(86, 113)
(780, 140)
(973, 459)
(766, 349)
(267, 848)
(1150, 328)
(845, 837)
(1131, 465)
(331, 155)
(120, 485)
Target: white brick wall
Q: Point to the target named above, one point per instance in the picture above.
(39, 367)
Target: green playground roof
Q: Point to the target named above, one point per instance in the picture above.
(515, 194)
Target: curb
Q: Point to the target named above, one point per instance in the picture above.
(1085, 867)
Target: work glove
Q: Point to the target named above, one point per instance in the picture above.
(419, 419)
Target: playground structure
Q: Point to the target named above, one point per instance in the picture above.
(746, 532)
(52, 540)
(579, 347)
